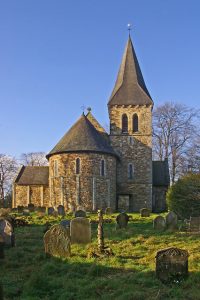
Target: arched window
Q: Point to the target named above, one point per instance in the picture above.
(130, 171)
(102, 168)
(135, 123)
(124, 123)
(78, 165)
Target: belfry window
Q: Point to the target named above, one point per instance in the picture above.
(135, 123)
(124, 123)
(55, 168)
(102, 168)
(78, 165)
(130, 171)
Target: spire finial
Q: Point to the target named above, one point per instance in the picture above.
(129, 26)
(83, 109)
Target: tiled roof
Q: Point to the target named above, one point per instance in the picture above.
(130, 88)
(33, 176)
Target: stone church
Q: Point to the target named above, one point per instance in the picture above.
(94, 169)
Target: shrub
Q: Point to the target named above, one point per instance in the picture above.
(184, 196)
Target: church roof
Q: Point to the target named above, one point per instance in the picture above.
(29, 175)
(161, 173)
(83, 137)
(130, 88)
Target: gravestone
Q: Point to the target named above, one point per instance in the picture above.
(31, 207)
(145, 212)
(26, 212)
(50, 211)
(172, 264)
(159, 223)
(20, 209)
(57, 242)
(80, 231)
(171, 220)
(1, 247)
(108, 211)
(122, 220)
(61, 210)
(6, 231)
(65, 223)
(80, 214)
(194, 224)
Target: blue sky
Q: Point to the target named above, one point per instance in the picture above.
(57, 55)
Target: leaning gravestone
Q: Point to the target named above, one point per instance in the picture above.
(61, 210)
(171, 220)
(57, 242)
(108, 211)
(31, 207)
(50, 211)
(194, 224)
(145, 212)
(6, 231)
(159, 223)
(80, 231)
(122, 220)
(80, 214)
(1, 248)
(172, 264)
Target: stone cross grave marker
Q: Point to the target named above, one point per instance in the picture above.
(1, 247)
(122, 220)
(6, 231)
(172, 264)
(80, 229)
(80, 214)
(57, 242)
(171, 220)
(159, 223)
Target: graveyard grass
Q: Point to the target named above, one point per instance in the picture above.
(130, 274)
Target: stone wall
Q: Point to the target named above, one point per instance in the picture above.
(88, 189)
(25, 194)
(133, 148)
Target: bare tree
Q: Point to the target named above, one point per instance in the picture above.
(174, 131)
(8, 169)
(34, 159)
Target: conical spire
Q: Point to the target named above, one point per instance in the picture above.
(130, 88)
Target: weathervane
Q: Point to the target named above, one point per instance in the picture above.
(129, 27)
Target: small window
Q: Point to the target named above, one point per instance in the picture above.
(124, 123)
(102, 169)
(55, 168)
(135, 123)
(131, 140)
(78, 165)
(130, 171)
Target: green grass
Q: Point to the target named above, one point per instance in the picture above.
(130, 274)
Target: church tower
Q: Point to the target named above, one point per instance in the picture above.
(130, 112)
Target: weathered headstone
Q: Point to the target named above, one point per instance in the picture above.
(50, 211)
(172, 264)
(145, 212)
(26, 212)
(171, 220)
(122, 220)
(6, 231)
(159, 223)
(194, 224)
(65, 223)
(108, 211)
(57, 242)
(80, 214)
(80, 231)
(31, 207)
(61, 210)
(1, 248)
